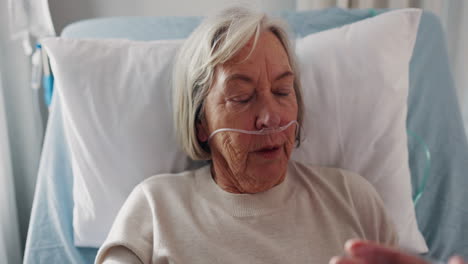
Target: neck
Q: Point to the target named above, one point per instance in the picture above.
(239, 182)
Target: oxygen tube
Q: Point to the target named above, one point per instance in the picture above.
(263, 131)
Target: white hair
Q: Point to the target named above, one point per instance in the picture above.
(214, 42)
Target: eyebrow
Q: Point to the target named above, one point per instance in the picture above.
(245, 78)
(284, 75)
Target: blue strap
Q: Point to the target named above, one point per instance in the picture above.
(48, 83)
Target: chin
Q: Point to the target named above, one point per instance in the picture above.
(270, 174)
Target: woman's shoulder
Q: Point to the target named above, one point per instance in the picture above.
(171, 182)
(348, 193)
(328, 173)
(331, 179)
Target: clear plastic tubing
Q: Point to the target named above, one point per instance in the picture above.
(263, 131)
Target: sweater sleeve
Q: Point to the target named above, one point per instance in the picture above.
(120, 255)
(371, 209)
(131, 235)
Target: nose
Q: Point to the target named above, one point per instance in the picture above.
(268, 115)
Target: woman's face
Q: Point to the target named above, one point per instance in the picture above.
(251, 94)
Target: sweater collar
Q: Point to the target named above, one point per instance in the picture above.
(243, 205)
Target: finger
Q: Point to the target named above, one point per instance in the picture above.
(372, 252)
(456, 260)
(345, 260)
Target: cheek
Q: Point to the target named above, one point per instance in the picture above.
(235, 143)
(233, 146)
(290, 140)
(294, 111)
(225, 116)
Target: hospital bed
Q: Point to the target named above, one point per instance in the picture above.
(433, 120)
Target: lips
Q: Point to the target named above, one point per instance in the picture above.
(269, 152)
(268, 148)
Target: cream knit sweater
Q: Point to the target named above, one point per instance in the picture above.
(187, 218)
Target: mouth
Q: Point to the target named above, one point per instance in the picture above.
(268, 152)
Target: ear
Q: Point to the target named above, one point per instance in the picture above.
(202, 131)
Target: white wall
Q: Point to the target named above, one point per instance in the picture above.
(67, 11)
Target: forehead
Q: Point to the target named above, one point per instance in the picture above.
(267, 50)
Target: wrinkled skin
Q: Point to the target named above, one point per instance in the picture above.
(251, 92)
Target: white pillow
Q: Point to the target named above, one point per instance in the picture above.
(355, 87)
(116, 98)
(118, 119)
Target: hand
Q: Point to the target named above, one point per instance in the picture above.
(365, 252)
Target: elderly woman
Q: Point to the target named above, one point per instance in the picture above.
(235, 76)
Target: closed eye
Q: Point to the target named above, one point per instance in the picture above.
(242, 99)
(282, 93)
